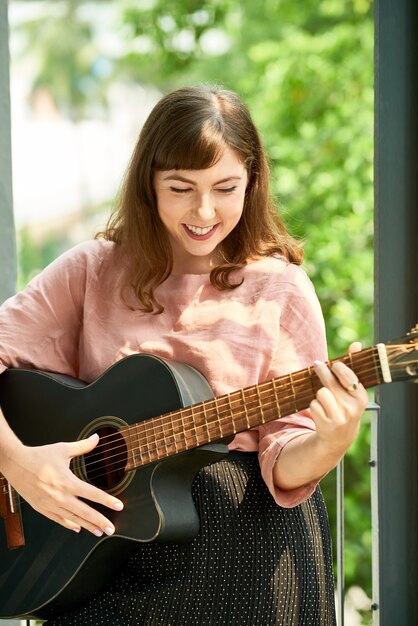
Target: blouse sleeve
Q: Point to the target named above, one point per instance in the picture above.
(301, 341)
(40, 326)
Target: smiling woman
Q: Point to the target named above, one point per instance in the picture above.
(189, 132)
(196, 269)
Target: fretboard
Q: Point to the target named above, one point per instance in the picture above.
(187, 428)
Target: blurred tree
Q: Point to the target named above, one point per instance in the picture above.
(306, 72)
(67, 61)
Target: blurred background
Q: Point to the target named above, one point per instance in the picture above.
(84, 76)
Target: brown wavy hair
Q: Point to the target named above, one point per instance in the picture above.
(188, 129)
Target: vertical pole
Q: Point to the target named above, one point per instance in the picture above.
(374, 488)
(340, 544)
(396, 283)
(7, 234)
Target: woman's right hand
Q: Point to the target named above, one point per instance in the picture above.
(42, 476)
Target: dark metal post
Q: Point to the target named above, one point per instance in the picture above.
(7, 234)
(396, 300)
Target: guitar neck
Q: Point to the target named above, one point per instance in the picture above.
(170, 434)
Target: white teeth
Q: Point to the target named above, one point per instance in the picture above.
(196, 230)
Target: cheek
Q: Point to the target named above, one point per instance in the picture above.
(167, 209)
(236, 209)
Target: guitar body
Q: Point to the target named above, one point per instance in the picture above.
(153, 418)
(57, 568)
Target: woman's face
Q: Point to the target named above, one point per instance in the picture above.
(199, 208)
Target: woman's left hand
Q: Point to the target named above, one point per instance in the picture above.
(338, 405)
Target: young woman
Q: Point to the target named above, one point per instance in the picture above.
(195, 266)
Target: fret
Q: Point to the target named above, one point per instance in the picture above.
(160, 442)
(260, 402)
(293, 392)
(183, 425)
(174, 439)
(371, 367)
(137, 458)
(145, 450)
(167, 436)
(276, 396)
(205, 423)
(219, 419)
(131, 445)
(231, 409)
(127, 435)
(140, 452)
(235, 412)
(177, 431)
(244, 404)
(311, 380)
(136, 445)
(199, 424)
(171, 438)
(154, 439)
(377, 366)
(168, 444)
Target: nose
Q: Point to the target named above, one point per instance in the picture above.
(206, 208)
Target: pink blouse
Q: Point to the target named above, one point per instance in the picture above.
(70, 319)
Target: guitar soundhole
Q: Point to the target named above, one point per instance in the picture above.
(104, 466)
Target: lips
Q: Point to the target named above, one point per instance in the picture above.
(200, 233)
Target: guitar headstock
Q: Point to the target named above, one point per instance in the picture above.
(402, 354)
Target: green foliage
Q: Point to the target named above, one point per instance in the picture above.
(35, 254)
(306, 72)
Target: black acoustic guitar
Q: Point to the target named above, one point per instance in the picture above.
(158, 424)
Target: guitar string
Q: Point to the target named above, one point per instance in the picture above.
(282, 382)
(165, 443)
(195, 411)
(213, 404)
(170, 439)
(304, 376)
(221, 415)
(296, 377)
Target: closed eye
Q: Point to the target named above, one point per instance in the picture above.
(179, 190)
(228, 189)
(187, 189)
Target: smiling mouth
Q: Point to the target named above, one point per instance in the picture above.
(197, 230)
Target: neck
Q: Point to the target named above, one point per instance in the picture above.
(199, 424)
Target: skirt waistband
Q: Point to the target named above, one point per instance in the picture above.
(239, 455)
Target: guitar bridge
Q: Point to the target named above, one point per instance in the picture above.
(10, 513)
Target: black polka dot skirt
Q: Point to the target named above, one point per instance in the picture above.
(253, 563)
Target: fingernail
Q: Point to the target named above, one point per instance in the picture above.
(109, 531)
(76, 530)
(98, 532)
(118, 506)
(316, 363)
(93, 436)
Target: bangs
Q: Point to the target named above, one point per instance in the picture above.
(190, 147)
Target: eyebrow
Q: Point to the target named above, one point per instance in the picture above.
(192, 182)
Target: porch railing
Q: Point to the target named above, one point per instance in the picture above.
(373, 409)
